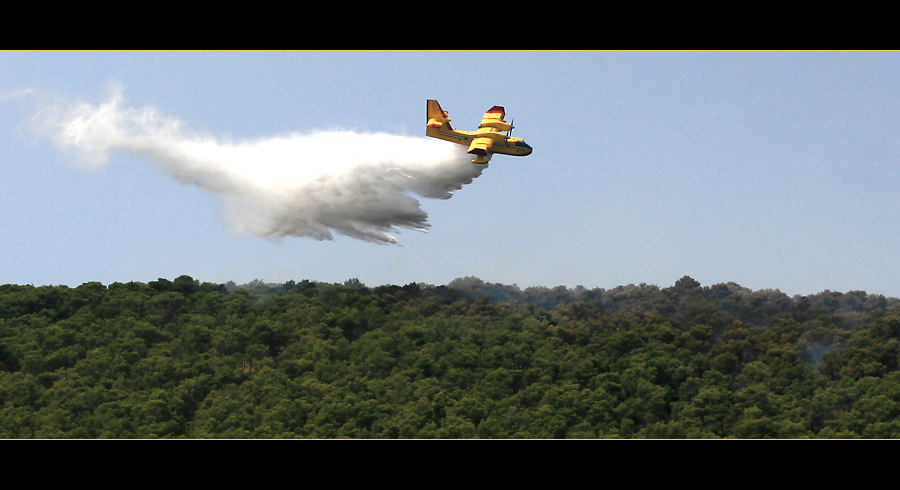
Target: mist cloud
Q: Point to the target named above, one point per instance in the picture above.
(362, 185)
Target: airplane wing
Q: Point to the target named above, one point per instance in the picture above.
(493, 118)
(488, 132)
(481, 146)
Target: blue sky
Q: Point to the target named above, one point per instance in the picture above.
(769, 169)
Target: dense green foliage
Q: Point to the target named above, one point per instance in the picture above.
(467, 360)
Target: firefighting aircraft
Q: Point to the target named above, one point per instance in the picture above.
(483, 142)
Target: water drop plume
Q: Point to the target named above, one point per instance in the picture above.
(315, 184)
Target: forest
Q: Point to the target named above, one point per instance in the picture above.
(470, 359)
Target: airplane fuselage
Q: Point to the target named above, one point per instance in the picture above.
(501, 143)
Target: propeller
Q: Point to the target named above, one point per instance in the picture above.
(509, 133)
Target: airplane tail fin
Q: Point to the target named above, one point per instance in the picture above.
(437, 117)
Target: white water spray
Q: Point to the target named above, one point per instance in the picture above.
(303, 185)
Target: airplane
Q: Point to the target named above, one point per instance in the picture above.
(483, 142)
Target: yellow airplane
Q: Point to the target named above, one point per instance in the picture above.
(483, 142)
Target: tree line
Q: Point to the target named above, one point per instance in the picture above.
(470, 359)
